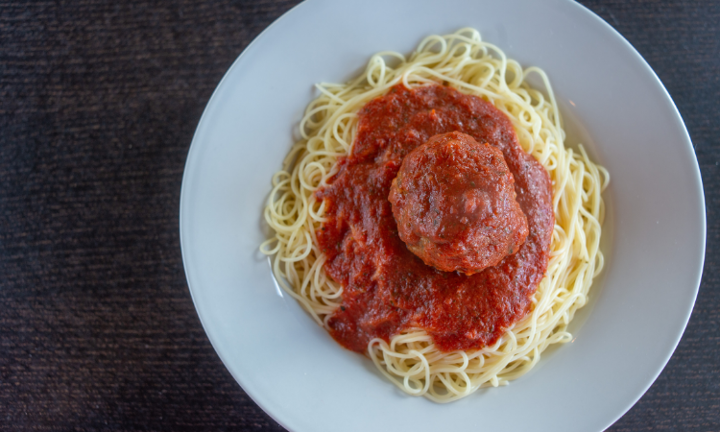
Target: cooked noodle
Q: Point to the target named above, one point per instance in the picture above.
(463, 61)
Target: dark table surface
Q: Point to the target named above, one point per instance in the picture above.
(98, 104)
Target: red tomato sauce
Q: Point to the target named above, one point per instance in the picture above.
(386, 288)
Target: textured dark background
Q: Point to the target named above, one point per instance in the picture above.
(98, 104)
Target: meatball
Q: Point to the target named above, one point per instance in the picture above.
(454, 203)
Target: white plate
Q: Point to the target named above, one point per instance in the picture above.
(611, 100)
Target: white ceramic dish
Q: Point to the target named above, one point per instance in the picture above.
(611, 100)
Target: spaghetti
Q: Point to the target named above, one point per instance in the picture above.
(411, 359)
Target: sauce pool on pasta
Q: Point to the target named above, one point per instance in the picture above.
(386, 288)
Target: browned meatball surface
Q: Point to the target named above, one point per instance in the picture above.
(454, 203)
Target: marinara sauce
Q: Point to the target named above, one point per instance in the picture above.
(386, 288)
